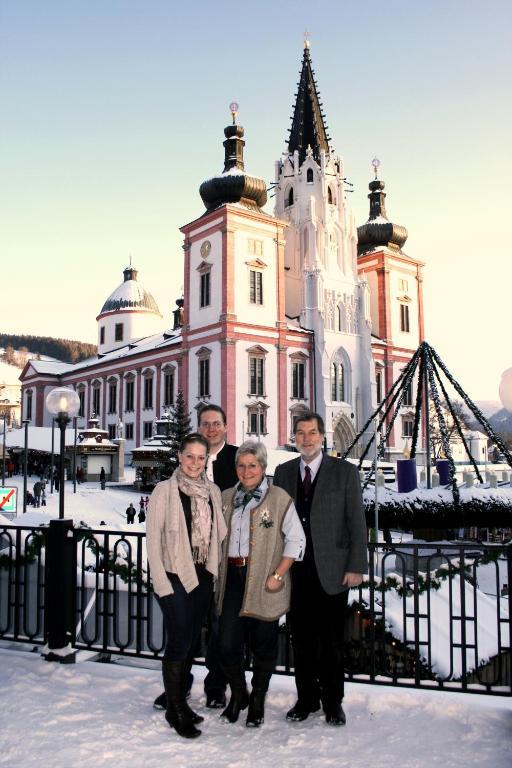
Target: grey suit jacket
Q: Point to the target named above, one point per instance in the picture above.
(338, 525)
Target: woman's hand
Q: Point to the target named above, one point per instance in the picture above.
(273, 585)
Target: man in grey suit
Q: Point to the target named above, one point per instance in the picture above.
(328, 498)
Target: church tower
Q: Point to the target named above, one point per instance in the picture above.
(396, 305)
(323, 291)
(235, 342)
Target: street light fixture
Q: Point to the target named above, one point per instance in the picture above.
(63, 404)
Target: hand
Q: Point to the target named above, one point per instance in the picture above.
(273, 585)
(352, 579)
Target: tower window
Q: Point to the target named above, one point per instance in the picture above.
(408, 395)
(309, 176)
(119, 332)
(403, 285)
(404, 318)
(330, 196)
(255, 287)
(102, 334)
(256, 375)
(378, 381)
(204, 300)
(337, 383)
(407, 426)
(289, 198)
(255, 247)
(298, 380)
(204, 377)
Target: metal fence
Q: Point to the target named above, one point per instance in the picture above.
(428, 615)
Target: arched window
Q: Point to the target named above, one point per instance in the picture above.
(337, 382)
(289, 198)
(309, 176)
(330, 196)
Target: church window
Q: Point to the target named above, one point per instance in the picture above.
(341, 318)
(129, 396)
(309, 176)
(256, 375)
(128, 431)
(112, 397)
(407, 395)
(148, 392)
(255, 287)
(337, 382)
(147, 429)
(378, 381)
(81, 408)
(330, 196)
(169, 387)
(407, 426)
(298, 380)
(255, 247)
(403, 285)
(404, 318)
(119, 332)
(289, 198)
(29, 405)
(96, 401)
(257, 420)
(204, 299)
(204, 377)
(102, 334)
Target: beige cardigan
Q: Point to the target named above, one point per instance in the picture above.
(168, 544)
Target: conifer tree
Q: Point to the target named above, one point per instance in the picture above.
(180, 426)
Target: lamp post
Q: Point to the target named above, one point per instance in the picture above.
(26, 422)
(63, 404)
(3, 450)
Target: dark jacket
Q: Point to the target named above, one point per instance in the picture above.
(224, 472)
(337, 521)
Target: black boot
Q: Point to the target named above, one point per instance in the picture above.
(239, 693)
(176, 714)
(260, 682)
(186, 685)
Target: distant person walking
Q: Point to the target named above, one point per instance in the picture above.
(142, 505)
(142, 515)
(38, 487)
(130, 514)
(102, 478)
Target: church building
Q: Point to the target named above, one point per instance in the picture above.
(280, 312)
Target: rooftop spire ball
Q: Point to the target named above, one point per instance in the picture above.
(233, 108)
(376, 165)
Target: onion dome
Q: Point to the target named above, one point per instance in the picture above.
(130, 295)
(233, 185)
(308, 126)
(378, 230)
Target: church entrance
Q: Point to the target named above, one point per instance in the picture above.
(343, 435)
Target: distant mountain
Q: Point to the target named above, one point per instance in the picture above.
(501, 421)
(19, 348)
(488, 407)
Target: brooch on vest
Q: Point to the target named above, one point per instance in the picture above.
(266, 521)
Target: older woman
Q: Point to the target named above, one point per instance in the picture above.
(265, 538)
(185, 529)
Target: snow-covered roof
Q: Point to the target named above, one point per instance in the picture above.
(130, 294)
(39, 439)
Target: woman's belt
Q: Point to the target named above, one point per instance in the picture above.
(238, 561)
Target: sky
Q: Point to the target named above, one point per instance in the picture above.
(113, 114)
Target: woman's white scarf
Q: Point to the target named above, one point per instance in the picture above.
(199, 493)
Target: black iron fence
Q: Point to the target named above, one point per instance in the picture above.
(428, 615)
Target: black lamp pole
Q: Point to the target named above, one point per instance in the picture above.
(62, 420)
(25, 464)
(3, 455)
(52, 462)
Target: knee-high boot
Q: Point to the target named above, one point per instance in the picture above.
(260, 682)
(239, 693)
(176, 713)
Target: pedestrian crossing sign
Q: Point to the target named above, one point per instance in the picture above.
(8, 500)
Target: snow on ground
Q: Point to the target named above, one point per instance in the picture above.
(100, 716)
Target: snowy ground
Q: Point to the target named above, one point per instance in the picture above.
(100, 716)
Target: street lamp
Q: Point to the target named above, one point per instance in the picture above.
(63, 404)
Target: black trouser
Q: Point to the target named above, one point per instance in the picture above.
(184, 614)
(317, 626)
(235, 630)
(215, 680)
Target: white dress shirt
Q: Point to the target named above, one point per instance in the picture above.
(314, 466)
(209, 464)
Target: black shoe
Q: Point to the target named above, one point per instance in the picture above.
(183, 726)
(160, 702)
(178, 714)
(215, 699)
(193, 715)
(300, 712)
(239, 693)
(256, 713)
(335, 715)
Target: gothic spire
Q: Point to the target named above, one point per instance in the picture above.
(308, 127)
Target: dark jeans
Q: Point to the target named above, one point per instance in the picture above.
(235, 630)
(184, 614)
(215, 680)
(317, 623)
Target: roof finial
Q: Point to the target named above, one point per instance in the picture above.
(306, 39)
(233, 108)
(376, 164)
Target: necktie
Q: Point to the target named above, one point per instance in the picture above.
(306, 483)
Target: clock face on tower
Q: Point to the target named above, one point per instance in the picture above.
(206, 248)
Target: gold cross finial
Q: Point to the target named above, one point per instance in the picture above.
(306, 39)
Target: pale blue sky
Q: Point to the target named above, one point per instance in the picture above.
(113, 112)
